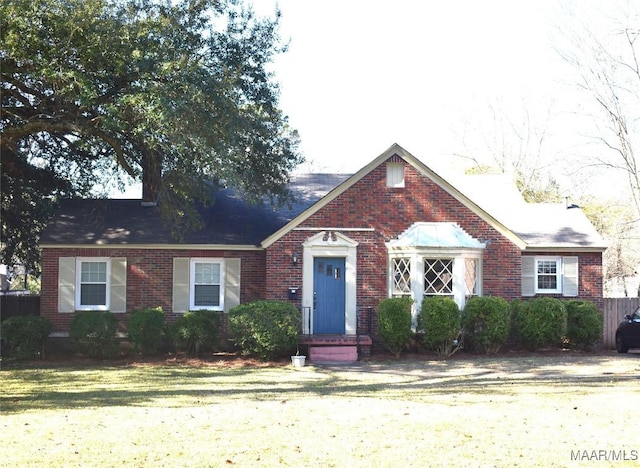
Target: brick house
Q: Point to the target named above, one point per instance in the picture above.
(394, 228)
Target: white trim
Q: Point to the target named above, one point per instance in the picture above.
(192, 282)
(78, 291)
(342, 246)
(563, 249)
(155, 246)
(363, 229)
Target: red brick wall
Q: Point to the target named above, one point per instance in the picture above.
(149, 277)
(390, 211)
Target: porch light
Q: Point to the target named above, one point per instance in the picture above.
(294, 258)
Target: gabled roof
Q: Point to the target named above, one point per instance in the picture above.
(233, 223)
(540, 225)
(529, 226)
(229, 222)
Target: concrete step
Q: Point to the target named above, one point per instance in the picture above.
(333, 353)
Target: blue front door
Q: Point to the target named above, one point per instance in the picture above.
(328, 295)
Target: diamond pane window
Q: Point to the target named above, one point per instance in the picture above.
(438, 276)
(471, 277)
(401, 276)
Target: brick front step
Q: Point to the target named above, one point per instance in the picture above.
(333, 353)
(336, 348)
(335, 340)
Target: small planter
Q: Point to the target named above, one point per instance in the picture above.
(298, 361)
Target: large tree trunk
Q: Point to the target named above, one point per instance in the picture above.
(151, 177)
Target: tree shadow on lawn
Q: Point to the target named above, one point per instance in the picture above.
(77, 387)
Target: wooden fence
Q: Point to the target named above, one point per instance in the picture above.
(614, 311)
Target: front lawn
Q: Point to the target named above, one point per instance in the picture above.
(561, 410)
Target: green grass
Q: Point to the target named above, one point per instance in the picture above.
(526, 411)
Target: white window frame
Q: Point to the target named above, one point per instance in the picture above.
(454, 280)
(417, 258)
(192, 283)
(559, 275)
(78, 289)
(406, 267)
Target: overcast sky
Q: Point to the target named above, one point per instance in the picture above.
(440, 78)
(361, 75)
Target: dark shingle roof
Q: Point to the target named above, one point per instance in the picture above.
(230, 220)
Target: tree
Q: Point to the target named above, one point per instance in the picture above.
(604, 51)
(517, 147)
(178, 95)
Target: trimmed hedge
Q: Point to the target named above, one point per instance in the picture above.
(394, 323)
(266, 328)
(94, 333)
(440, 323)
(486, 322)
(196, 331)
(540, 322)
(25, 336)
(145, 329)
(584, 324)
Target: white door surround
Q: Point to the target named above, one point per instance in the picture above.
(330, 244)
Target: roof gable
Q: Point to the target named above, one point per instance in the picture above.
(395, 151)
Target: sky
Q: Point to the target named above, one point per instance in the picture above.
(446, 80)
(362, 75)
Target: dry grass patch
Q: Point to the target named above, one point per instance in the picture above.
(528, 411)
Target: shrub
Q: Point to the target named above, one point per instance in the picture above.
(540, 322)
(439, 322)
(25, 336)
(196, 331)
(486, 323)
(145, 329)
(94, 333)
(265, 328)
(394, 323)
(584, 324)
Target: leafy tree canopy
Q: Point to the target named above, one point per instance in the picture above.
(177, 94)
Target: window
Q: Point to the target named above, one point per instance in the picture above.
(438, 277)
(471, 277)
(401, 276)
(92, 284)
(457, 275)
(435, 259)
(548, 279)
(395, 175)
(550, 275)
(207, 284)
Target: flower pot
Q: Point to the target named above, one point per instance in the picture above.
(298, 361)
